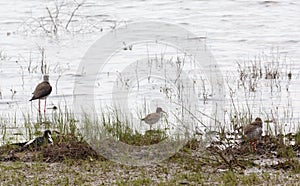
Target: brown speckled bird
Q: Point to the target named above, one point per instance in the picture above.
(42, 91)
(153, 118)
(253, 132)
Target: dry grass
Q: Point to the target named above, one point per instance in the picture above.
(79, 165)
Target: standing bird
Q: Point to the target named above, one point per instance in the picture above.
(253, 132)
(42, 91)
(153, 118)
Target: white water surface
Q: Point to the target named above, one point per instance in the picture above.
(233, 30)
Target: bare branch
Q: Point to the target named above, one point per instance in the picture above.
(51, 17)
(72, 15)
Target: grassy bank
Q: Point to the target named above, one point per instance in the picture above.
(71, 161)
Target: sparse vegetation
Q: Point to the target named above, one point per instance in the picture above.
(58, 17)
(65, 16)
(191, 165)
(225, 161)
(51, 37)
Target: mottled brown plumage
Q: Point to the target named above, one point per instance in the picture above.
(42, 91)
(253, 132)
(153, 118)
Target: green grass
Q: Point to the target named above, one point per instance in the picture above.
(297, 138)
(183, 168)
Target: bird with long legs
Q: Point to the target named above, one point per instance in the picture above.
(42, 91)
(153, 118)
(253, 132)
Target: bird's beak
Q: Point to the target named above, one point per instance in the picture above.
(164, 112)
(55, 131)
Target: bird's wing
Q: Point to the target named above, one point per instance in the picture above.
(43, 89)
(29, 143)
(151, 116)
(147, 117)
(21, 144)
(249, 128)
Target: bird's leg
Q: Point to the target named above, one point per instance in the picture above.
(45, 107)
(254, 146)
(39, 106)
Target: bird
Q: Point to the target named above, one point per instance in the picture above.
(253, 132)
(37, 142)
(42, 91)
(153, 118)
(40, 141)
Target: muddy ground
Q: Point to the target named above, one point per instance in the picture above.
(76, 163)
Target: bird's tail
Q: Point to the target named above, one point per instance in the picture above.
(33, 98)
(19, 144)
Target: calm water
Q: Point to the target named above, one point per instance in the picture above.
(234, 31)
